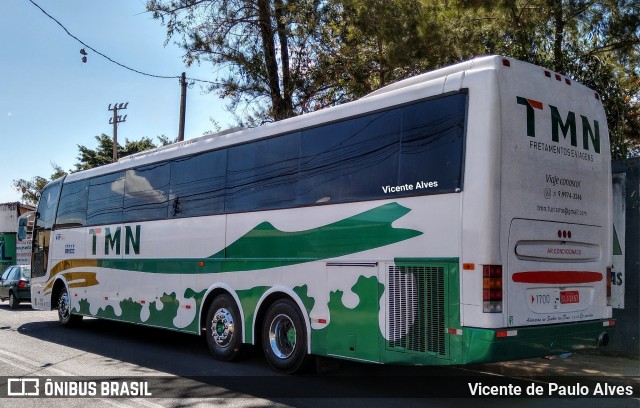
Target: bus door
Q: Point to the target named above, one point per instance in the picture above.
(45, 218)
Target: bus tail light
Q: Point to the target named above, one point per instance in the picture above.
(608, 279)
(492, 288)
(506, 333)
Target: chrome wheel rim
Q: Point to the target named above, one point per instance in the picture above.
(282, 336)
(222, 327)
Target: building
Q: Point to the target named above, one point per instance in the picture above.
(12, 250)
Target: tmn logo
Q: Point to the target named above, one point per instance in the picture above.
(563, 127)
(112, 243)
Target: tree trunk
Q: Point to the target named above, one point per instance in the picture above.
(271, 64)
(381, 60)
(287, 83)
(558, 38)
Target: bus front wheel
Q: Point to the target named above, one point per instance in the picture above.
(64, 310)
(224, 328)
(284, 337)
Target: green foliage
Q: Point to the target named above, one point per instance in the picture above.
(263, 45)
(596, 43)
(103, 154)
(286, 57)
(382, 41)
(31, 190)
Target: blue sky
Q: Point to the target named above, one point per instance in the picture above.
(51, 102)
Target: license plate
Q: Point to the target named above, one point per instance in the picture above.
(569, 296)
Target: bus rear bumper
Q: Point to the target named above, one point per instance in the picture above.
(490, 345)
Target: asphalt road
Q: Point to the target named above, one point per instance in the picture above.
(182, 372)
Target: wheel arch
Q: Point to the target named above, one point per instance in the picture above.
(214, 291)
(271, 296)
(56, 288)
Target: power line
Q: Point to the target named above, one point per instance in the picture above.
(112, 60)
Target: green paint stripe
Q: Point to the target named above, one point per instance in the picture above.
(617, 248)
(364, 231)
(266, 247)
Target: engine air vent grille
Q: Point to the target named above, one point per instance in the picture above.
(416, 309)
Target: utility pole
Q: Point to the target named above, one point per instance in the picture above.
(183, 105)
(115, 120)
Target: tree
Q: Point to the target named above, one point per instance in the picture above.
(32, 189)
(103, 154)
(270, 54)
(595, 42)
(280, 58)
(382, 41)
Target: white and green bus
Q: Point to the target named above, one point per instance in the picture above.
(459, 216)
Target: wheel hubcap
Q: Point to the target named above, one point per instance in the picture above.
(282, 336)
(222, 327)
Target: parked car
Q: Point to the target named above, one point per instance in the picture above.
(15, 285)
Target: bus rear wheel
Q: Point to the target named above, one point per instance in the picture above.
(284, 338)
(224, 328)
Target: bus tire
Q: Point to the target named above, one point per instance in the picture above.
(224, 328)
(64, 310)
(13, 301)
(284, 337)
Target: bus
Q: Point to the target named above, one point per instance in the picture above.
(460, 216)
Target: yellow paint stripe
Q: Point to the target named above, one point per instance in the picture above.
(62, 266)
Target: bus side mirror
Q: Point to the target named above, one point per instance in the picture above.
(22, 229)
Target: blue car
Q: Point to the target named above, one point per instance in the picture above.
(15, 285)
